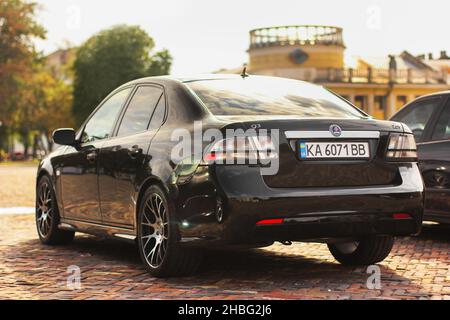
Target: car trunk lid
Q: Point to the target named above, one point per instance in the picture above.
(295, 172)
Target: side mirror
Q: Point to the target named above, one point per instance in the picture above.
(65, 137)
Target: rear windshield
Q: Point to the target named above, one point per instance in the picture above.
(271, 96)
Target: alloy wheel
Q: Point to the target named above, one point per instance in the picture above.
(154, 230)
(44, 210)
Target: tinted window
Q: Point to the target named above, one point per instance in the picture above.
(158, 115)
(271, 96)
(139, 111)
(442, 130)
(102, 122)
(417, 116)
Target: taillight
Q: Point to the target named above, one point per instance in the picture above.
(402, 147)
(241, 150)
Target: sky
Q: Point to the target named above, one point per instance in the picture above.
(207, 35)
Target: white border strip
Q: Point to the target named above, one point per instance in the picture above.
(327, 134)
(17, 210)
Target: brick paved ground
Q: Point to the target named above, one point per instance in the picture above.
(418, 268)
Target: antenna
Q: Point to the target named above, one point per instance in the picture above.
(244, 73)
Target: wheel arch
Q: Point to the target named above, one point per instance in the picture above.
(150, 181)
(41, 173)
(45, 169)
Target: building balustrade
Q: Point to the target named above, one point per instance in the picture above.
(382, 76)
(296, 35)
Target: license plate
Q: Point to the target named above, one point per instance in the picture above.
(334, 150)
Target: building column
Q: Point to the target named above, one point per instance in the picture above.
(390, 106)
(410, 98)
(351, 98)
(370, 104)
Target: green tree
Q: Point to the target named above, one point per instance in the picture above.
(161, 63)
(18, 30)
(45, 104)
(109, 59)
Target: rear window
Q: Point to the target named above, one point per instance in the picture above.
(270, 96)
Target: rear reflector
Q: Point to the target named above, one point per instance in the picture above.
(401, 216)
(270, 221)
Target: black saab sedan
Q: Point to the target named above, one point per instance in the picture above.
(179, 165)
(429, 119)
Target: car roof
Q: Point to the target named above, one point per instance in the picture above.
(203, 77)
(183, 79)
(440, 93)
(434, 94)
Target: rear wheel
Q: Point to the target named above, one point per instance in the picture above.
(47, 215)
(367, 251)
(158, 238)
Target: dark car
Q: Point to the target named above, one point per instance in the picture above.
(295, 163)
(429, 119)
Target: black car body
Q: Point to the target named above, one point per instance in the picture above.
(429, 118)
(99, 184)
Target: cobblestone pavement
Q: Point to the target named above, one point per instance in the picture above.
(418, 268)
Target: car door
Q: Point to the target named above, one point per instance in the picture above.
(435, 166)
(79, 170)
(122, 159)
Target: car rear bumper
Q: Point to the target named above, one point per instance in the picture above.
(439, 217)
(328, 228)
(320, 214)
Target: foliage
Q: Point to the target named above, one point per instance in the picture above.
(3, 155)
(18, 29)
(160, 63)
(32, 100)
(109, 59)
(36, 96)
(45, 104)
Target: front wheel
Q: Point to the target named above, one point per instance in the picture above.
(47, 215)
(366, 251)
(158, 238)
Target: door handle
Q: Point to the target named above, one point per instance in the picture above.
(134, 151)
(91, 156)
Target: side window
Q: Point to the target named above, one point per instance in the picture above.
(139, 111)
(442, 130)
(102, 122)
(417, 116)
(158, 115)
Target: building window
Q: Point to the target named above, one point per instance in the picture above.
(360, 102)
(380, 102)
(401, 101)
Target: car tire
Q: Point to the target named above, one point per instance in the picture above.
(159, 238)
(47, 215)
(367, 251)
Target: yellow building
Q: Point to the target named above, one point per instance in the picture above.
(317, 54)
